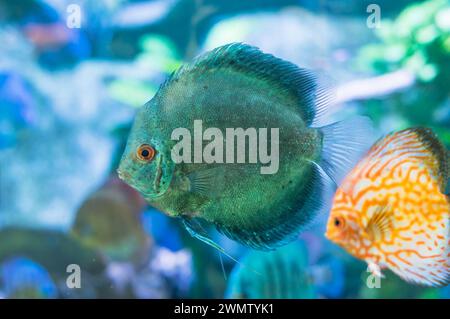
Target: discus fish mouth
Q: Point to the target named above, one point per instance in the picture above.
(333, 236)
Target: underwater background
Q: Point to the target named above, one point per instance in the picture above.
(72, 76)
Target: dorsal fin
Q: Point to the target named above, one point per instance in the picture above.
(301, 84)
(418, 143)
(435, 147)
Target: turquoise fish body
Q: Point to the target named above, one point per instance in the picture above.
(238, 86)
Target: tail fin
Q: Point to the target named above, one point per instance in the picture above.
(417, 143)
(344, 143)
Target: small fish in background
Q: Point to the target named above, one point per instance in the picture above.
(280, 274)
(55, 251)
(393, 209)
(238, 86)
(22, 278)
(109, 222)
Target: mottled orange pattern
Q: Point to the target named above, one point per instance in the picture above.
(391, 212)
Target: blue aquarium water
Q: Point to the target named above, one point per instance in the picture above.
(75, 74)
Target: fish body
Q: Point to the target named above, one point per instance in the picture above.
(392, 210)
(231, 87)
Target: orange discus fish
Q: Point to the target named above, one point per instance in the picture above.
(393, 209)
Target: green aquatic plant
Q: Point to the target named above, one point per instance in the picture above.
(159, 55)
(418, 42)
(160, 52)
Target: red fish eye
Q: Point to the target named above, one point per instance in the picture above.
(145, 153)
(339, 222)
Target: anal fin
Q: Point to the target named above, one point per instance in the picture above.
(344, 143)
(301, 211)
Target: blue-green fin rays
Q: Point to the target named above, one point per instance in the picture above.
(327, 187)
(302, 85)
(207, 182)
(308, 201)
(343, 145)
(222, 266)
(196, 230)
(324, 97)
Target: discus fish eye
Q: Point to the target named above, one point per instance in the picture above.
(339, 222)
(145, 153)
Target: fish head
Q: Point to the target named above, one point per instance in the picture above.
(146, 164)
(343, 226)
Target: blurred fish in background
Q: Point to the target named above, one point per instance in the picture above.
(53, 251)
(70, 89)
(110, 222)
(23, 278)
(286, 273)
(279, 274)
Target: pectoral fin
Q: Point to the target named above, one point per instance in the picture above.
(207, 182)
(380, 224)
